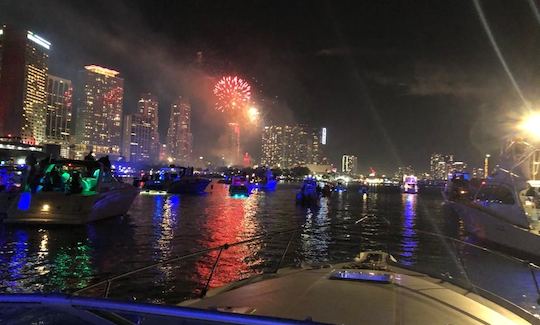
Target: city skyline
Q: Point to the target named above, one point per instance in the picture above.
(341, 75)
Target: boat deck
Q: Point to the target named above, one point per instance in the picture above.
(411, 298)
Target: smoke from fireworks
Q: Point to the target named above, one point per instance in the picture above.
(232, 93)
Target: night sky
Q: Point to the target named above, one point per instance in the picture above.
(393, 81)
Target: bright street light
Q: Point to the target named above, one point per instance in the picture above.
(531, 125)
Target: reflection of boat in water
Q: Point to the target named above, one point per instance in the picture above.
(505, 209)
(177, 180)
(309, 193)
(264, 182)
(410, 184)
(240, 186)
(71, 192)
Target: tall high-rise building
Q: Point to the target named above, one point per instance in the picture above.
(349, 164)
(138, 145)
(287, 146)
(140, 135)
(148, 108)
(58, 119)
(179, 137)
(440, 166)
(99, 112)
(23, 76)
(232, 152)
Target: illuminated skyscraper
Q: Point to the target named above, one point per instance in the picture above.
(179, 137)
(287, 146)
(140, 135)
(349, 164)
(99, 111)
(148, 108)
(232, 152)
(441, 165)
(58, 119)
(23, 75)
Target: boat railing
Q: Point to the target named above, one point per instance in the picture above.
(462, 255)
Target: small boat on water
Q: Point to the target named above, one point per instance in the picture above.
(505, 209)
(410, 184)
(264, 182)
(240, 186)
(309, 193)
(70, 192)
(176, 180)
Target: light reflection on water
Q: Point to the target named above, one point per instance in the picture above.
(160, 227)
(409, 241)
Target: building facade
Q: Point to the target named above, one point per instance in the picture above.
(58, 119)
(441, 165)
(23, 76)
(140, 139)
(99, 111)
(287, 146)
(349, 164)
(402, 171)
(179, 137)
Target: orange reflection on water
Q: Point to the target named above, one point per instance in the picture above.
(230, 221)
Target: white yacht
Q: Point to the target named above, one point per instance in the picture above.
(505, 209)
(71, 192)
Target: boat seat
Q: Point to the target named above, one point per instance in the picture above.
(89, 183)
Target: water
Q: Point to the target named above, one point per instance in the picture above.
(160, 227)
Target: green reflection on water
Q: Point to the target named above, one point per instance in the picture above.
(72, 267)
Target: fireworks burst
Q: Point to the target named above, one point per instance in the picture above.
(232, 93)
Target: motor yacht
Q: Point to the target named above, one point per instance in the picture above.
(410, 184)
(71, 192)
(240, 186)
(176, 180)
(505, 208)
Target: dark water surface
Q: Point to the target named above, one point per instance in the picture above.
(160, 227)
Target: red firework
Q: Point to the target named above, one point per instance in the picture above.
(232, 93)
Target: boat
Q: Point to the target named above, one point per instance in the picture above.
(188, 183)
(71, 192)
(240, 186)
(410, 184)
(12, 181)
(458, 186)
(371, 288)
(264, 182)
(505, 209)
(176, 180)
(309, 193)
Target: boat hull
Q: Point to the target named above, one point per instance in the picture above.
(189, 186)
(488, 227)
(59, 208)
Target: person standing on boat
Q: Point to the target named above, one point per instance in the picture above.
(90, 156)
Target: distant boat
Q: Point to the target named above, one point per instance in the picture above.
(71, 192)
(309, 193)
(265, 182)
(410, 184)
(240, 186)
(176, 180)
